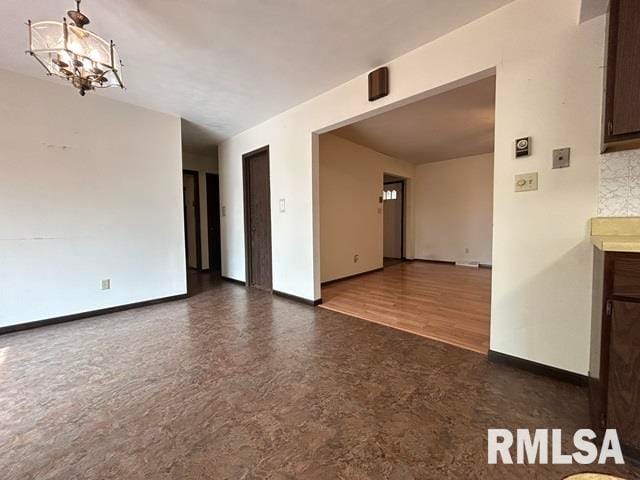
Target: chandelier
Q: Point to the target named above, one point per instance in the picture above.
(74, 53)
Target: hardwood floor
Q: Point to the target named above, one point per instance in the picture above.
(438, 301)
(234, 383)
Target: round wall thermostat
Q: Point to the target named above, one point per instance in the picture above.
(523, 146)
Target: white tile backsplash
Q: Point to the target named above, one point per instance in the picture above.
(634, 166)
(634, 197)
(614, 193)
(619, 194)
(615, 167)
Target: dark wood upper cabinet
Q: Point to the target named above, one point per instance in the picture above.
(622, 92)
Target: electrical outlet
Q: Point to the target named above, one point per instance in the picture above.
(106, 284)
(356, 257)
(526, 182)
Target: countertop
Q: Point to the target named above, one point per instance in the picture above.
(616, 234)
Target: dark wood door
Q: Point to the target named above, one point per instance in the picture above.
(623, 404)
(623, 71)
(213, 221)
(258, 219)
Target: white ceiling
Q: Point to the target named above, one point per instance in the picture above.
(454, 124)
(226, 65)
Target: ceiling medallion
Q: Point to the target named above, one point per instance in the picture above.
(74, 53)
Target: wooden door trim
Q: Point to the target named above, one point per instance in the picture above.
(196, 180)
(247, 217)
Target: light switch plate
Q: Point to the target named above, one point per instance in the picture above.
(106, 284)
(224, 211)
(526, 182)
(282, 206)
(561, 157)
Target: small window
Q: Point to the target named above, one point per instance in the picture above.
(394, 195)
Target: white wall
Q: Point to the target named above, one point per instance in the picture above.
(453, 203)
(90, 189)
(549, 86)
(351, 217)
(202, 164)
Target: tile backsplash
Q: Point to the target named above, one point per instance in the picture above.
(619, 184)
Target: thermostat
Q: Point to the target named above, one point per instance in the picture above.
(523, 147)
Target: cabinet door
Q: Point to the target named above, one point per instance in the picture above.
(623, 403)
(626, 276)
(623, 69)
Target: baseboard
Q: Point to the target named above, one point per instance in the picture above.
(92, 313)
(329, 282)
(295, 298)
(539, 368)
(233, 280)
(444, 262)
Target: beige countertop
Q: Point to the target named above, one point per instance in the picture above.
(616, 234)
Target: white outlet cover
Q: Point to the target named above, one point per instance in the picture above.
(526, 182)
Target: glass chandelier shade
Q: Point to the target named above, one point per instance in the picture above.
(75, 54)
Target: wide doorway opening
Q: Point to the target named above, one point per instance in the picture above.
(406, 216)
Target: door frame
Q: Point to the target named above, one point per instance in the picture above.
(210, 213)
(196, 180)
(247, 217)
(402, 225)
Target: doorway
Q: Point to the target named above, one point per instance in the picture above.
(213, 221)
(191, 202)
(257, 218)
(422, 273)
(393, 213)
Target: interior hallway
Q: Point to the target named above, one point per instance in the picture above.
(234, 383)
(438, 301)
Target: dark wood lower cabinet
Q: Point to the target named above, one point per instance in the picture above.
(614, 376)
(623, 398)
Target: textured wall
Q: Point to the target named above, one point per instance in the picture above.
(454, 218)
(351, 219)
(91, 189)
(619, 184)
